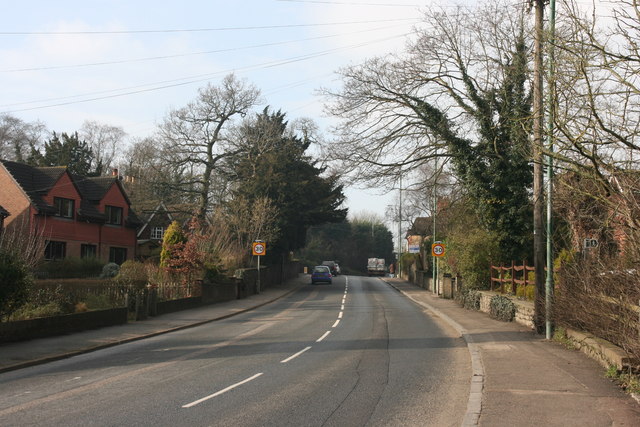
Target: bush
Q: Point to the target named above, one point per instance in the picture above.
(110, 270)
(14, 280)
(32, 311)
(527, 293)
(133, 274)
(71, 267)
(502, 308)
(470, 252)
(469, 298)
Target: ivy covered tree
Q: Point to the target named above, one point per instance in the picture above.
(460, 93)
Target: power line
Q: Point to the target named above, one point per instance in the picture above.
(195, 30)
(181, 55)
(189, 80)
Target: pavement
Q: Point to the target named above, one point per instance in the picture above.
(518, 377)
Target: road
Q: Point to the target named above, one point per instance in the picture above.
(352, 353)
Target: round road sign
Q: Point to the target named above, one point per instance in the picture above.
(259, 248)
(438, 249)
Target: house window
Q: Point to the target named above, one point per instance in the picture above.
(64, 207)
(55, 250)
(88, 251)
(157, 233)
(117, 255)
(114, 215)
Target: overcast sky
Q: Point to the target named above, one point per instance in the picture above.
(126, 63)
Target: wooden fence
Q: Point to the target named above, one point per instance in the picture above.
(518, 275)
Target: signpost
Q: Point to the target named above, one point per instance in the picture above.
(258, 249)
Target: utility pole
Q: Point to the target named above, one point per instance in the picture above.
(538, 192)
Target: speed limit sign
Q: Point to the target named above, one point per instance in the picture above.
(438, 249)
(259, 248)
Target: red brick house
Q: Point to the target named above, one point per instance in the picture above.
(77, 216)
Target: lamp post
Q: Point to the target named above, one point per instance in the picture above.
(551, 118)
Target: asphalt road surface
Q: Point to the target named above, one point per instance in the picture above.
(352, 353)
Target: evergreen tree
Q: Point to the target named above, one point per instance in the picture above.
(272, 163)
(65, 150)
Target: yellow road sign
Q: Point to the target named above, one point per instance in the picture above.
(438, 249)
(259, 248)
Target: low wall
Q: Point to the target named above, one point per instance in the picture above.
(59, 325)
(165, 307)
(524, 309)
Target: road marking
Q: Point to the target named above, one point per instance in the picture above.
(342, 307)
(218, 393)
(323, 336)
(336, 324)
(340, 315)
(295, 355)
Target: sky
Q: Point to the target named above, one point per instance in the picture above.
(127, 63)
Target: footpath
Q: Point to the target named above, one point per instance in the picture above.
(522, 379)
(519, 378)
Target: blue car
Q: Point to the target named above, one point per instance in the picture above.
(321, 273)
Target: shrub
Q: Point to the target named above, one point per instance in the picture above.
(32, 311)
(502, 308)
(469, 298)
(14, 280)
(133, 274)
(110, 270)
(527, 293)
(71, 267)
(470, 253)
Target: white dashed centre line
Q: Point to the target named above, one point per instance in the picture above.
(323, 336)
(231, 387)
(340, 315)
(336, 324)
(295, 355)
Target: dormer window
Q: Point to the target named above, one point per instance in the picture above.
(114, 215)
(157, 233)
(64, 207)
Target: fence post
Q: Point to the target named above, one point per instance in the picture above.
(513, 275)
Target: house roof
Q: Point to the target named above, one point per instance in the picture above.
(160, 207)
(421, 226)
(35, 182)
(38, 181)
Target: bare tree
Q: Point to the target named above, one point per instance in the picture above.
(598, 112)
(18, 138)
(196, 136)
(105, 141)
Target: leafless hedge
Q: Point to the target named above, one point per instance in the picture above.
(599, 298)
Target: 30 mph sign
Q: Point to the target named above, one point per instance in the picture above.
(438, 249)
(259, 248)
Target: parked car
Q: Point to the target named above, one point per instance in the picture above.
(332, 266)
(321, 273)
